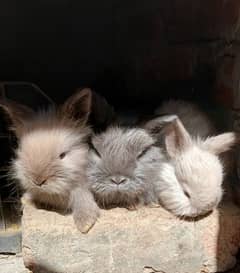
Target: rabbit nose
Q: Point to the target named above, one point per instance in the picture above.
(40, 182)
(118, 179)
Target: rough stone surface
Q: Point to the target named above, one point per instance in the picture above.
(12, 264)
(143, 241)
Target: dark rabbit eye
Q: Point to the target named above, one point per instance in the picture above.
(62, 155)
(144, 152)
(187, 194)
(94, 149)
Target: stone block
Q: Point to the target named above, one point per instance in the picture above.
(142, 241)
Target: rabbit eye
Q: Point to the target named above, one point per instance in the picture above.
(187, 194)
(144, 152)
(94, 149)
(62, 155)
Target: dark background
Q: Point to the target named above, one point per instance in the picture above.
(133, 52)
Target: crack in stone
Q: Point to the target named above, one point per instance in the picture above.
(149, 269)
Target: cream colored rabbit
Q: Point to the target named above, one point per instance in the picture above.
(51, 157)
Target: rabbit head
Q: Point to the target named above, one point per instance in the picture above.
(52, 150)
(122, 165)
(192, 183)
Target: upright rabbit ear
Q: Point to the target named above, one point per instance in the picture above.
(221, 143)
(78, 106)
(177, 139)
(102, 113)
(16, 114)
(155, 126)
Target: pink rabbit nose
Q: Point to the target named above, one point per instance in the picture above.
(118, 179)
(40, 182)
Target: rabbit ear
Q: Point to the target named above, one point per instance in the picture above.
(17, 114)
(102, 113)
(221, 143)
(155, 126)
(177, 139)
(78, 106)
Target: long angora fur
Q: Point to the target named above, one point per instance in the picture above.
(51, 157)
(123, 164)
(190, 181)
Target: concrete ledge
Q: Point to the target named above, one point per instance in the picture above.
(12, 264)
(144, 241)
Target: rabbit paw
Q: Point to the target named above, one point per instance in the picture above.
(27, 200)
(132, 207)
(85, 222)
(154, 205)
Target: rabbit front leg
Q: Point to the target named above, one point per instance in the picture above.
(84, 208)
(27, 199)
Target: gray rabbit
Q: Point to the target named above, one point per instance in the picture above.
(123, 164)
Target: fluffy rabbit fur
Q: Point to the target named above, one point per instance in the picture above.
(190, 182)
(123, 164)
(51, 157)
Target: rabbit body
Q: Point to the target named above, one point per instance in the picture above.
(51, 157)
(50, 160)
(190, 183)
(123, 164)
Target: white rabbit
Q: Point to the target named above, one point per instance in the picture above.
(190, 181)
(51, 157)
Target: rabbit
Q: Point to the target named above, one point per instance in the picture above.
(198, 124)
(190, 181)
(51, 157)
(123, 162)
